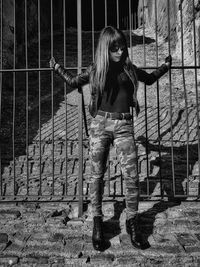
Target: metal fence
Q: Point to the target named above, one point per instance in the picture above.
(44, 128)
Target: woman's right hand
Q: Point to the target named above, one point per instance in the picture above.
(52, 62)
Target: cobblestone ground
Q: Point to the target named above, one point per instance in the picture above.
(53, 235)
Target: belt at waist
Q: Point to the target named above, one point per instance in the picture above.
(115, 115)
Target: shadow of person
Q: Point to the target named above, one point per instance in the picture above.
(112, 226)
(104, 245)
(170, 175)
(116, 226)
(146, 219)
(144, 229)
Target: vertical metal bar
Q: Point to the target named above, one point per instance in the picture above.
(108, 159)
(52, 101)
(185, 96)
(131, 56)
(117, 3)
(135, 20)
(80, 136)
(144, 48)
(27, 95)
(109, 174)
(39, 87)
(14, 97)
(197, 93)
(158, 104)
(65, 95)
(1, 65)
(92, 9)
(130, 29)
(146, 120)
(170, 88)
(106, 13)
(84, 117)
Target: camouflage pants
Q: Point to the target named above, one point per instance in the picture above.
(120, 133)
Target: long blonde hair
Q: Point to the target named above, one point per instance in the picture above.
(109, 36)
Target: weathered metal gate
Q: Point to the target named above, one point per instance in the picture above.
(44, 128)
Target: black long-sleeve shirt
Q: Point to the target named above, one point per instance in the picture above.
(125, 81)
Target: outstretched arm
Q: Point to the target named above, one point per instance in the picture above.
(150, 78)
(72, 81)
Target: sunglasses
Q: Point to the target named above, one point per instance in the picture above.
(115, 49)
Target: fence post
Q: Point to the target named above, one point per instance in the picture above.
(80, 107)
(1, 66)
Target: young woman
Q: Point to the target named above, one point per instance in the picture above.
(113, 81)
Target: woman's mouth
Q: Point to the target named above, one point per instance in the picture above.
(117, 58)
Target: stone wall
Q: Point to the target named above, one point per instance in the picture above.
(181, 13)
(190, 19)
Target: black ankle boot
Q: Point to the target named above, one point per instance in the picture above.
(131, 228)
(137, 238)
(97, 235)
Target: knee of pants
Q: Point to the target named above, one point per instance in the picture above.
(129, 167)
(98, 169)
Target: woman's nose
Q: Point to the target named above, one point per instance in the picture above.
(120, 51)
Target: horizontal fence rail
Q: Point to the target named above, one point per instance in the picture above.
(44, 153)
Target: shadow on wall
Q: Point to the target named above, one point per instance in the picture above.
(138, 39)
(178, 168)
(168, 170)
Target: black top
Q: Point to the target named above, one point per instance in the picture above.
(121, 100)
(117, 95)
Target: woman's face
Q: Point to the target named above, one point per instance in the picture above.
(116, 53)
